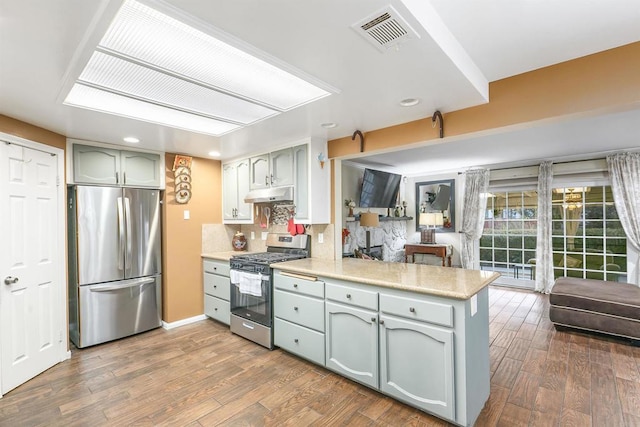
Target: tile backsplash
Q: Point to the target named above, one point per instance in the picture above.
(217, 237)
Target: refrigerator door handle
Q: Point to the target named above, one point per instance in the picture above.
(127, 210)
(132, 284)
(121, 220)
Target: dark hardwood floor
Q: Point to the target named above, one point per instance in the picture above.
(201, 375)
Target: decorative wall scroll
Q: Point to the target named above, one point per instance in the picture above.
(182, 178)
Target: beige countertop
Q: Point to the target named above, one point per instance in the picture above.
(222, 256)
(427, 279)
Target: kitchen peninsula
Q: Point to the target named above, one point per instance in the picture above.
(417, 333)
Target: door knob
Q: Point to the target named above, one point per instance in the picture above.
(10, 280)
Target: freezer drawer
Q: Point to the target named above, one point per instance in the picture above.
(113, 310)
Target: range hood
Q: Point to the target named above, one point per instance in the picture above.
(273, 194)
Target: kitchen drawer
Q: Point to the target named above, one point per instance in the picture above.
(218, 286)
(299, 285)
(217, 309)
(300, 309)
(216, 267)
(299, 340)
(411, 308)
(352, 296)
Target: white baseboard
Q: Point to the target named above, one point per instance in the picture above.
(183, 322)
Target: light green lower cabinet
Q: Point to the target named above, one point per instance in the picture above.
(217, 309)
(299, 340)
(217, 290)
(405, 346)
(352, 342)
(428, 351)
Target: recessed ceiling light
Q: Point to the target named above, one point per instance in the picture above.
(175, 70)
(131, 139)
(329, 125)
(409, 102)
(214, 153)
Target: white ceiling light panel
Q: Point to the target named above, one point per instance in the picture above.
(149, 57)
(143, 83)
(106, 102)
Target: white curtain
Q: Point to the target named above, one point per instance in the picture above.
(544, 246)
(476, 183)
(624, 172)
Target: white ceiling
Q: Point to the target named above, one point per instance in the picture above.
(39, 38)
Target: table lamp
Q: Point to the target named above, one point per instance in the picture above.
(428, 222)
(368, 220)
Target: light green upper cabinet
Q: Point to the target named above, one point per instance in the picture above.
(272, 170)
(106, 166)
(281, 164)
(235, 186)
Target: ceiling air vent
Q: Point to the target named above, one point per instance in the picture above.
(385, 28)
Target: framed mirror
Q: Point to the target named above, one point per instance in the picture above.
(436, 197)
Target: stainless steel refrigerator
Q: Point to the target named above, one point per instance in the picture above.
(115, 258)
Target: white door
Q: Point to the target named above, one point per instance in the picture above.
(32, 321)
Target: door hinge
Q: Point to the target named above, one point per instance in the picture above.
(57, 180)
(60, 340)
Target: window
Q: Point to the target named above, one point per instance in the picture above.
(588, 239)
(508, 242)
(587, 236)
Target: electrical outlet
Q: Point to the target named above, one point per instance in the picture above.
(320, 237)
(253, 235)
(264, 235)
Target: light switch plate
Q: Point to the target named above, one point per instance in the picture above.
(253, 235)
(187, 214)
(320, 237)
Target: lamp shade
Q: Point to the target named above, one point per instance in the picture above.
(431, 219)
(369, 219)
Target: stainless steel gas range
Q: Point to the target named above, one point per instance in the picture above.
(252, 285)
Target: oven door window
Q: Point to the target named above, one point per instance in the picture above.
(251, 298)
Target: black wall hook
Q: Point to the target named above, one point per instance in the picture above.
(357, 132)
(438, 115)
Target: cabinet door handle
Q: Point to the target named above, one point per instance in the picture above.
(348, 296)
(215, 286)
(295, 340)
(215, 309)
(124, 177)
(266, 180)
(271, 179)
(295, 308)
(373, 319)
(295, 285)
(117, 178)
(382, 322)
(411, 309)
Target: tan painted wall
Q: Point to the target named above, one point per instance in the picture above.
(31, 132)
(182, 239)
(606, 81)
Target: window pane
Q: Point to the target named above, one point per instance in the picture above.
(486, 241)
(614, 229)
(500, 255)
(619, 261)
(557, 211)
(530, 242)
(557, 228)
(486, 255)
(515, 242)
(593, 212)
(529, 256)
(617, 246)
(515, 257)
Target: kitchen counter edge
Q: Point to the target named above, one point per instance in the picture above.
(446, 282)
